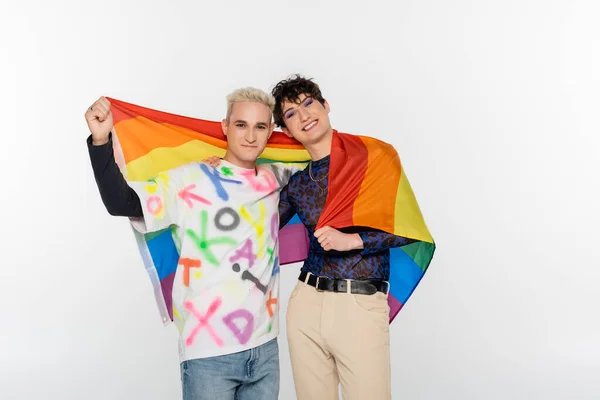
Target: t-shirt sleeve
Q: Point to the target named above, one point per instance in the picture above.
(162, 199)
(284, 171)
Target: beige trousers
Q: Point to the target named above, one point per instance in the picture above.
(339, 338)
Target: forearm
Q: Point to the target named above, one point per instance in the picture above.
(286, 208)
(376, 241)
(118, 197)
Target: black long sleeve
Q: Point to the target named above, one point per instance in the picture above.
(118, 197)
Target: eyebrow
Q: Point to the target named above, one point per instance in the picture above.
(299, 102)
(237, 121)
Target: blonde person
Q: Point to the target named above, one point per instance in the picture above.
(228, 336)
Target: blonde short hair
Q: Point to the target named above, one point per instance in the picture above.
(249, 94)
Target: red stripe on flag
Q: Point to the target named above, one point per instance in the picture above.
(123, 111)
(347, 167)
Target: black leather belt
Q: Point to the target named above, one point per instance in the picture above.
(341, 285)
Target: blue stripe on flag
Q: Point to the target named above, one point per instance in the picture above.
(164, 254)
(405, 274)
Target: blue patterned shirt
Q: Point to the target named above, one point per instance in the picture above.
(304, 197)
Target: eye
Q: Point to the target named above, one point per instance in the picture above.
(262, 127)
(308, 102)
(240, 125)
(290, 114)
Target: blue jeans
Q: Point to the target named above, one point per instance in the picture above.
(249, 375)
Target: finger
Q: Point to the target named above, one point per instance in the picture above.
(90, 109)
(102, 105)
(94, 108)
(92, 114)
(319, 232)
(98, 115)
(325, 229)
(105, 114)
(101, 108)
(104, 102)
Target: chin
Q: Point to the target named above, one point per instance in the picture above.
(250, 159)
(312, 137)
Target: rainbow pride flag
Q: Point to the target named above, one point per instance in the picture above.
(367, 187)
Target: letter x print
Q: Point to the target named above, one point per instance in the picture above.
(271, 302)
(204, 243)
(203, 321)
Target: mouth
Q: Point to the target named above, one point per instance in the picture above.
(249, 146)
(310, 126)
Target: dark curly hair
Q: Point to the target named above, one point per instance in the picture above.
(290, 89)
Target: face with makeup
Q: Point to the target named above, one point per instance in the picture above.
(306, 120)
(247, 131)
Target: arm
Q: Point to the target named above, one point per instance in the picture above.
(369, 242)
(118, 197)
(152, 205)
(286, 208)
(377, 241)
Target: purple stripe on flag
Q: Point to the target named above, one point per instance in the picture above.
(293, 244)
(166, 286)
(395, 307)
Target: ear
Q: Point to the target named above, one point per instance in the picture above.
(287, 132)
(271, 127)
(326, 105)
(224, 126)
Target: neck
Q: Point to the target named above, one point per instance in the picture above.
(320, 149)
(239, 163)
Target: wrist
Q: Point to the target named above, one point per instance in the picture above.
(99, 141)
(357, 242)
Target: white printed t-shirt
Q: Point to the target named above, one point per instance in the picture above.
(225, 223)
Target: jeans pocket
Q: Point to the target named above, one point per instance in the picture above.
(373, 303)
(296, 290)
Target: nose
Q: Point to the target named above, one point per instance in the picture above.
(303, 114)
(251, 136)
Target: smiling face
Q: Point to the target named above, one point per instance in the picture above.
(306, 120)
(247, 130)
(303, 113)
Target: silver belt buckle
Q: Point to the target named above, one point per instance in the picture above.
(317, 284)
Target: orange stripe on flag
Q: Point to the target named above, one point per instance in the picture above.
(383, 162)
(139, 136)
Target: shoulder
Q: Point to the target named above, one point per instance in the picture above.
(285, 166)
(190, 172)
(376, 147)
(285, 172)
